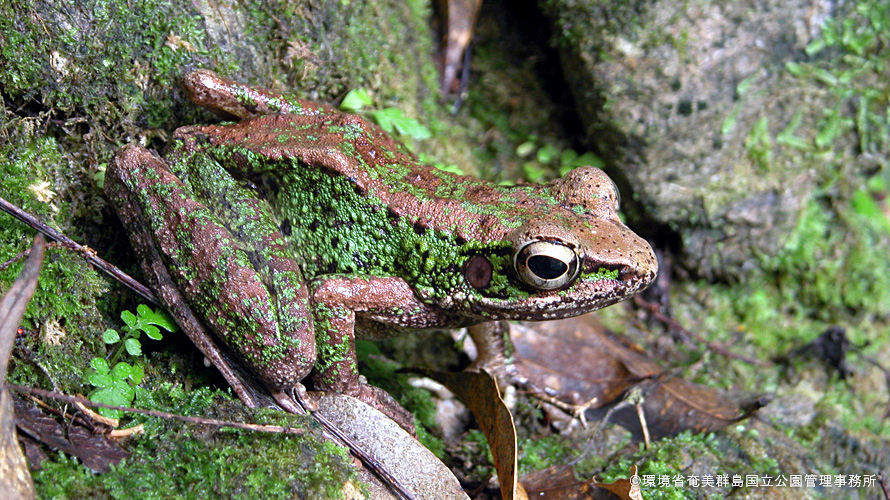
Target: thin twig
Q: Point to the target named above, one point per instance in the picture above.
(277, 429)
(88, 253)
(883, 485)
(671, 322)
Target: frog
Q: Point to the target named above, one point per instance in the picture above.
(277, 238)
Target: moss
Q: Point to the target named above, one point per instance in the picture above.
(542, 452)
(173, 458)
(688, 455)
(102, 58)
(66, 298)
(832, 262)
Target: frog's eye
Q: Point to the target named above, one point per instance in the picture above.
(546, 265)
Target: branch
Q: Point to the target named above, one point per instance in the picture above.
(86, 252)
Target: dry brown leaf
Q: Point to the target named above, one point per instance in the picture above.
(559, 483)
(579, 361)
(626, 489)
(97, 452)
(479, 391)
(393, 450)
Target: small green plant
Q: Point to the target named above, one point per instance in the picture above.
(115, 381)
(542, 159)
(389, 119)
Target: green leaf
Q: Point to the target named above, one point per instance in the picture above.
(525, 149)
(568, 157)
(392, 119)
(137, 374)
(143, 311)
(99, 379)
(119, 393)
(111, 336)
(121, 371)
(547, 153)
(133, 346)
(100, 365)
(152, 332)
(534, 171)
(129, 318)
(99, 176)
(355, 100)
(588, 159)
(157, 317)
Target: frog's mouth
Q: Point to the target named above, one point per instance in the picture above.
(594, 290)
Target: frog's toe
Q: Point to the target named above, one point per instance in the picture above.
(295, 400)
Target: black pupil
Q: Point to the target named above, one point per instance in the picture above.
(547, 268)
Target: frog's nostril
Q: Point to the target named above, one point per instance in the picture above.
(626, 273)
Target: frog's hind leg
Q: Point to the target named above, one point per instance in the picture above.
(209, 278)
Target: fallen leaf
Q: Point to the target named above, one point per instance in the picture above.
(392, 449)
(626, 489)
(459, 18)
(97, 452)
(559, 483)
(479, 391)
(578, 361)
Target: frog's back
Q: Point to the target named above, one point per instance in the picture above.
(307, 150)
(348, 197)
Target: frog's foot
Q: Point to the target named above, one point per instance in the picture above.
(295, 400)
(379, 399)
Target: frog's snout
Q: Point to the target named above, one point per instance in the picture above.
(643, 265)
(628, 254)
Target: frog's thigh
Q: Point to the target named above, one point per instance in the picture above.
(267, 326)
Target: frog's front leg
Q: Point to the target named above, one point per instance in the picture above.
(494, 350)
(219, 265)
(206, 88)
(338, 301)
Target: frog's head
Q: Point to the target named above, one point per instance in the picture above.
(576, 257)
